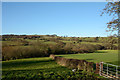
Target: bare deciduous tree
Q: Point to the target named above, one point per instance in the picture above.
(113, 9)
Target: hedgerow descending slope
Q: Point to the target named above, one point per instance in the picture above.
(109, 56)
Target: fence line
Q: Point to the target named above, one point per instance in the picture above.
(109, 70)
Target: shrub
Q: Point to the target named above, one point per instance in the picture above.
(56, 49)
(68, 48)
(100, 47)
(84, 48)
(110, 46)
(16, 52)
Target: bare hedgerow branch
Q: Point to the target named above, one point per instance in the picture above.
(112, 8)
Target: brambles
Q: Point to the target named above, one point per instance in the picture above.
(79, 75)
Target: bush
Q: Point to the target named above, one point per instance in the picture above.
(16, 52)
(100, 47)
(110, 46)
(38, 49)
(84, 48)
(56, 49)
(68, 48)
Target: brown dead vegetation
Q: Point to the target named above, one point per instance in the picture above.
(73, 63)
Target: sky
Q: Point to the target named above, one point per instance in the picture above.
(73, 19)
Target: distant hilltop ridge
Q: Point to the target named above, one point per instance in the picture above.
(26, 36)
(38, 36)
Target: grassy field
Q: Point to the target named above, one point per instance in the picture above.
(44, 68)
(15, 67)
(39, 69)
(109, 56)
(30, 68)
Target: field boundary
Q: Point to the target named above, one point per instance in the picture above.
(74, 63)
(109, 70)
(103, 69)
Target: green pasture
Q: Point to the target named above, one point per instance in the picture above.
(94, 43)
(20, 64)
(108, 56)
(40, 69)
(30, 68)
(10, 43)
(45, 67)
